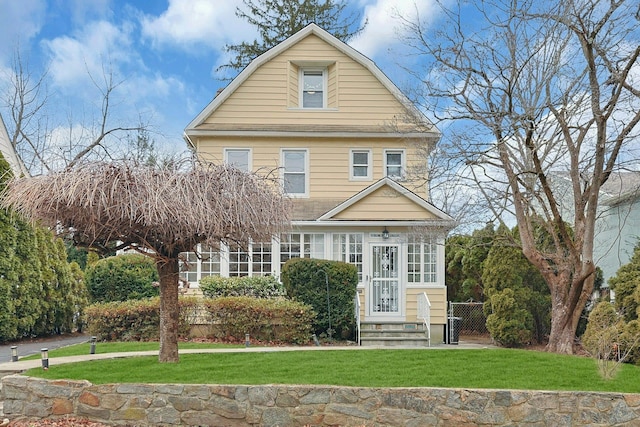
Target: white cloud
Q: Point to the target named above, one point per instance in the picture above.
(98, 49)
(20, 21)
(193, 23)
(385, 16)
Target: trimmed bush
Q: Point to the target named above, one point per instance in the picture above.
(257, 287)
(134, 320)
(509, 323)
(266, 320)
(306, 279)
(121, 278)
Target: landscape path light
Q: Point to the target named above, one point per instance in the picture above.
(92, 349)
(44, 355)
(14, 353)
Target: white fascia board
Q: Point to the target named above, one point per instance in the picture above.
(311, 134)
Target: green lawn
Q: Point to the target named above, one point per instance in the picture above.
(484, 368)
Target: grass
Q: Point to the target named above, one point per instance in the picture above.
(483, 368)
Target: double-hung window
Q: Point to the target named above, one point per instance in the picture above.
(394, 163)
(312, 85)
(294, 172)
(360, 164)
(238, 157)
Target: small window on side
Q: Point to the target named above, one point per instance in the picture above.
(239, 158)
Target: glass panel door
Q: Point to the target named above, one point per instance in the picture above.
(385, 281)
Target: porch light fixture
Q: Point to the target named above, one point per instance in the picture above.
(14, 353)
(44, 355)
(92, 349)
(385, 233)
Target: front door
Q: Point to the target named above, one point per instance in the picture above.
(385, 280)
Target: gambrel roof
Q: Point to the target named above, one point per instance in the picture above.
(424, 127)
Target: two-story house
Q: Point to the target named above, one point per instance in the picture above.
(344, 143)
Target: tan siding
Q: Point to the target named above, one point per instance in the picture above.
(385, 203)
(438, 299)
(268, 95)
(292, 85)
(328, 160)
(333, 89)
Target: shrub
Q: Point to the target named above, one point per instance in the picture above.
(267, 320)
(134, 320)
(121, 278)
(306, 280)
(257, 287)
(509, 323)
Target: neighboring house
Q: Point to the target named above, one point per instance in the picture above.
(618, 223)
(345, 143)
(9, 153)
(617, 227)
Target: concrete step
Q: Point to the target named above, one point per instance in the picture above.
(382, 341)
(393, 334)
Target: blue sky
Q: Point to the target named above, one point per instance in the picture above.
(163, 53)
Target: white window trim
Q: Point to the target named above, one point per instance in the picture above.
(369, 175)
(249, 155)
(306, 172)
(325, 81)
(403, 163)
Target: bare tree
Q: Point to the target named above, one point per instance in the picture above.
(160, 212)
(543, 99)
(97, 136)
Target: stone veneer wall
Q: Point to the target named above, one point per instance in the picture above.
(271, 405)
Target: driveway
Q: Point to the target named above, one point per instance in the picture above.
(33, 346)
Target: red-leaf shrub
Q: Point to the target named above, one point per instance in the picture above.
(266, 320)
(135, 320)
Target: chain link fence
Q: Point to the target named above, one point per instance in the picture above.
(471, 316)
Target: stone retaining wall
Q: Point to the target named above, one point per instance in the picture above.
(270, 405)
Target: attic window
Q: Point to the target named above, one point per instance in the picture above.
(313, 83)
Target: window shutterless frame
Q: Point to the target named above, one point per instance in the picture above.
(360, 164)
(294, 167)
(238, 157)
(394, 163)
(313, 85)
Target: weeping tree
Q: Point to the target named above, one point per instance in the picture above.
(548, 98)
(158, 211)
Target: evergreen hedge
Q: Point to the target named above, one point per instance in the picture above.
(256, 286)
(306, 280)
(121, 278)
(40, 292)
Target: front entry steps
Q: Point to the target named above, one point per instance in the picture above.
(393, 334)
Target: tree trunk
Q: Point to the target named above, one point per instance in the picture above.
(168, 273)
(563, 330)
(568, 300)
